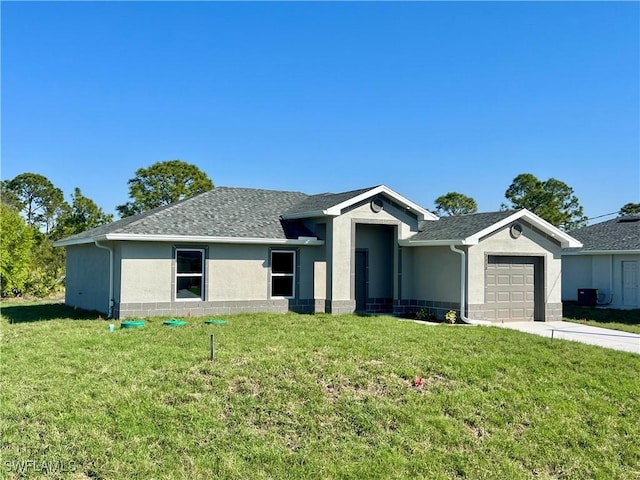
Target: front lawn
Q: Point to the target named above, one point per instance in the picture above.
(297, 396)
(625, 320)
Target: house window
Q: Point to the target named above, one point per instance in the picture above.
(189, 274)
(283, 277)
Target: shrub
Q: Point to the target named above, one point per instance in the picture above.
(424, 314)
(450, 316)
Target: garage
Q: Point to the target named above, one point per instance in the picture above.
(511, 289)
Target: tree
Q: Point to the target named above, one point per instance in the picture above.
(83, 214)
(163, 183)
(629, 209)
(552, 199)
(46, 274)
(454, 203)
(37, 199)
(16, 252)
(8, 196)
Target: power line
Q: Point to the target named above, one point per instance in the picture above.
(605, 215)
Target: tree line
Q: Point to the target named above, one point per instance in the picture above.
(34, 214)
(552, 199)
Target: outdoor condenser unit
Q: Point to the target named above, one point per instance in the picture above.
(587, 297)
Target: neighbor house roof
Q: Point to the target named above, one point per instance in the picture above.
(619, 235)
(223, 213)
(470, 229)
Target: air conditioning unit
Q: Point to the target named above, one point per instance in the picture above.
(587, 297)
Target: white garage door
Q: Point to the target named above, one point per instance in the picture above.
(510, 288)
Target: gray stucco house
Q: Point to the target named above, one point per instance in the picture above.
(234, 250)
(609, 261)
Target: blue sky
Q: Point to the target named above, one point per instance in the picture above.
(425, 97)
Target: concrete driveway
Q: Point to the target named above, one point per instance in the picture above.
(602, 337)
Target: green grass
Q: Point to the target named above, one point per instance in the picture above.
(294, 396)
(625, 320)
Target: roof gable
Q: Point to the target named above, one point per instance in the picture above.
(333, 204)
(470, 229)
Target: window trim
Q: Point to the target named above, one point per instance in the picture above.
(288, 275)
(183, 275)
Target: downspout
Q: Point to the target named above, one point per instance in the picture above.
(111, 300)
(463, 288)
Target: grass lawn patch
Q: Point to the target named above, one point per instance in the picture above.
(625, 320)
(311, 396)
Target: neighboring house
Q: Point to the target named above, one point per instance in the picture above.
(234, 250)
(609, 262)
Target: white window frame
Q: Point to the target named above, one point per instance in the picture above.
(291, 275)
(182, 275)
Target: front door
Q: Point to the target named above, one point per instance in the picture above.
(630, 284)
(361, 280)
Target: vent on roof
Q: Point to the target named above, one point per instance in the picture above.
(629, 219)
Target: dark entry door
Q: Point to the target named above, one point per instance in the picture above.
(362, 264)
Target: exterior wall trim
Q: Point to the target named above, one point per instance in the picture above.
(602, 252)
(193, 239)
(217, 307)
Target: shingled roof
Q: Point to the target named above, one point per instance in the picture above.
(324, 201)
(619, 234)
(221, 212)
(458, 227)
(242, 215)
(226, 213)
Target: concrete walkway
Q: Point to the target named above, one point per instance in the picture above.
(577, 332)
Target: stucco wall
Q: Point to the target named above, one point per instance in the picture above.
(340, 260)
(312, 258)
(429, 280)
(405, 273)
(146, 272)
(576, 273)
(435, 275)
(232, 272)
(237, 272)
(87, 278)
